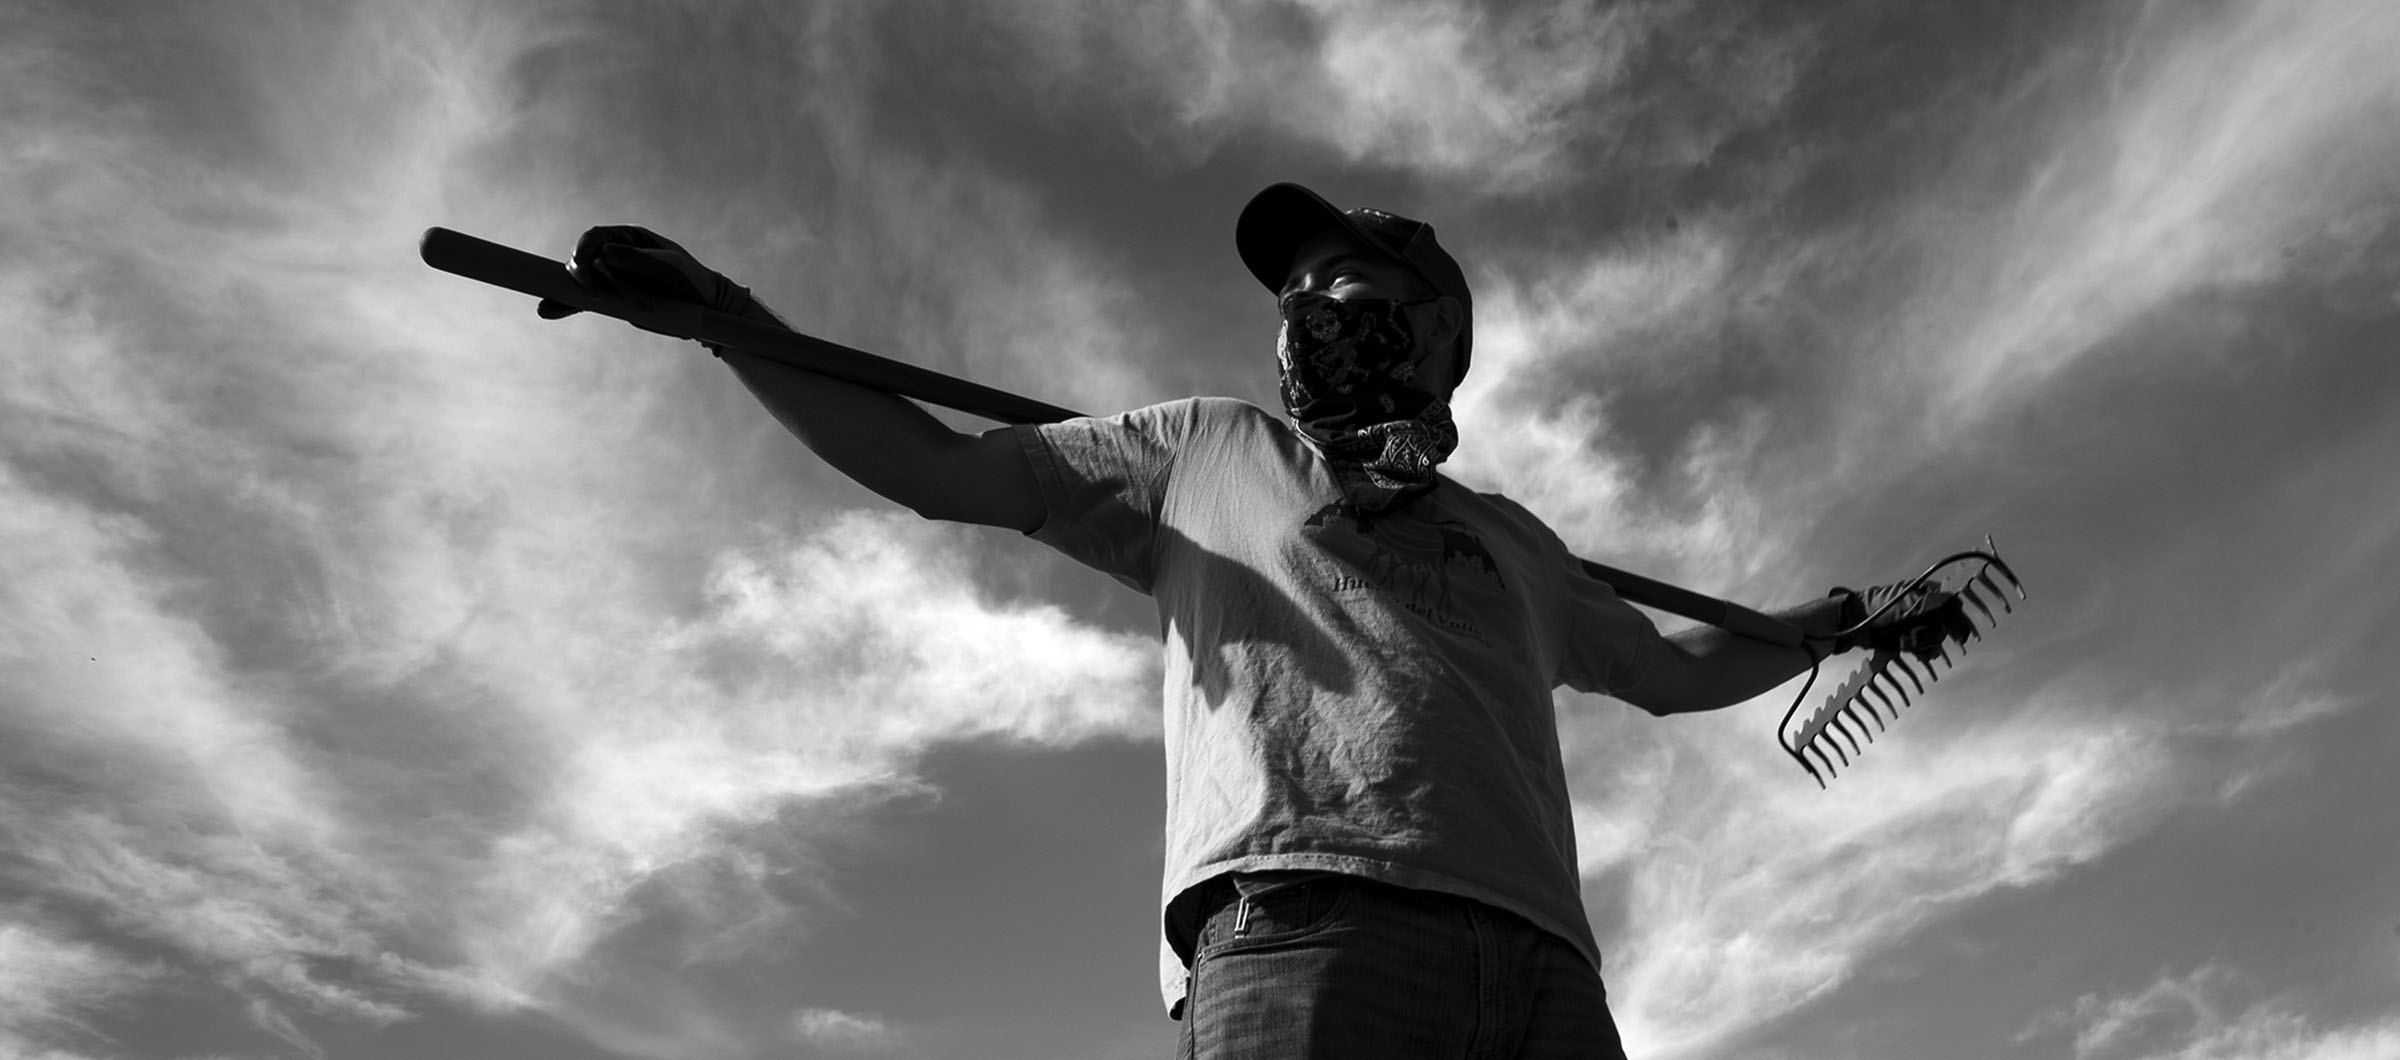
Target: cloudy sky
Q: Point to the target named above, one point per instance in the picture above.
(385, 672)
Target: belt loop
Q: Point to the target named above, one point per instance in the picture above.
(1241, 914)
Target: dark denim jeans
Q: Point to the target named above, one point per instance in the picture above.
(1339, 967)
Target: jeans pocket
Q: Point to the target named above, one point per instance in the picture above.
(1279, 917)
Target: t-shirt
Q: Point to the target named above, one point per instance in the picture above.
(1351, 692)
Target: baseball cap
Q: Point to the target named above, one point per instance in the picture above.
(1285, 217)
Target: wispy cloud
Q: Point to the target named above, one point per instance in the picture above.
(2200, 1015)
(845, 1031)
(1443, 88)
(1745, 886)
(2176, 183)
(367, 646)
(51, 985)
(822, 190)
(1782, 891)
(1500, 99)
(1641, 317)
(2223, 148)
(815, 669)
(357, 656)
(1733, 887)
(151, 784)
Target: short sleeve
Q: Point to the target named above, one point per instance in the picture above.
(1103, 480)
(1607, 640)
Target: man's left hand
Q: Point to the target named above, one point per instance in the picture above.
(1918, 621)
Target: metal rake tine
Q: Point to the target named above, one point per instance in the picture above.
(1835, 723)
(1885, 700)
(1825, 737)
(1862, 726)
(1984, 577)
(1830, 772)
(1861, 700)
(1973, 597)
(2002, 566)
(1907, 668)
(1906, 698)
(1882, 701)
(1849, 716)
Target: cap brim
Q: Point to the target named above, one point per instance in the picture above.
(1278, 222)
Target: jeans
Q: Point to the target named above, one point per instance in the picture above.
(1339, 967)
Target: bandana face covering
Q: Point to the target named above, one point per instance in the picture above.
(1350, 383)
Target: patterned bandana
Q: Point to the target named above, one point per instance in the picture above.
(1349, 371)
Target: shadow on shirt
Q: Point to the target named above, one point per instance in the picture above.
(1241, 629)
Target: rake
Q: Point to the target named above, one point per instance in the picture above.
(1977, 576)
(1970, 574)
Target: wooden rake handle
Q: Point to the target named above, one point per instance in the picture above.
(528, 273)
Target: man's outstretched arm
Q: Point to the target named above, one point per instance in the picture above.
(1706, 668)
(895, 448)
(885, 443)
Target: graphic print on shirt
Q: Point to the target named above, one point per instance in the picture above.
(1436, 570)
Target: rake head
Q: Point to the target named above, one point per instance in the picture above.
(1889, 680)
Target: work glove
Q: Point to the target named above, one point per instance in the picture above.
(645, 268)
(1919, 623)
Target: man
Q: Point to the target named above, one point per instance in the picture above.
(1370, 851)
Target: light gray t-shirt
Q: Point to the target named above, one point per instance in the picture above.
(1362, 694)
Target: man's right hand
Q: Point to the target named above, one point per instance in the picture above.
(645, 268)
